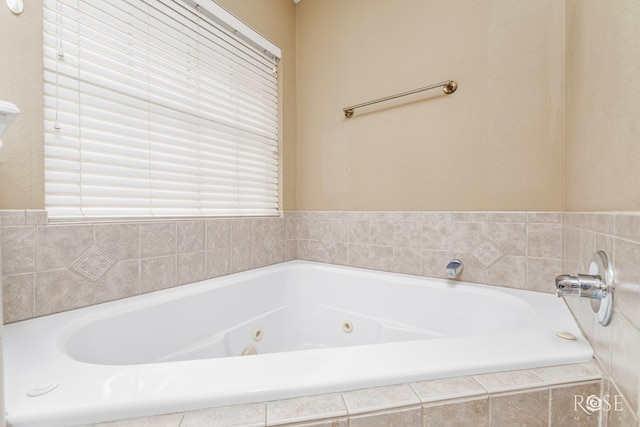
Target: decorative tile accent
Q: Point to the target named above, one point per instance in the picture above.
(93, 263)
(486, 252)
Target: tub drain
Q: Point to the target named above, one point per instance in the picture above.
(249, 351)
(347, 327)
(257, 334)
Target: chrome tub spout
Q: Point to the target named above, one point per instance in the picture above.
(454, 268)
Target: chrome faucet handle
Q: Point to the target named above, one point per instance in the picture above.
(598, 286)
(583, 285)
(567, 285)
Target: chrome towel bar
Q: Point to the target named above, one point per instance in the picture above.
(448, 87)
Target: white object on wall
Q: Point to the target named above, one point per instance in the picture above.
(15, 6)
(8, 113)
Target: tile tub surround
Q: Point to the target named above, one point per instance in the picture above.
(49, 268)
(513, 249)
(536, 397)
(391, 241)
(617, 345)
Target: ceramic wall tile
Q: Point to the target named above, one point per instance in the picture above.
(191, 236)
(544, 240)
(19, 254)
(302, 409)
(541, 274)
(241, 258)
(121, 241)
(12, 217)
(508, 271)
(625, 348)
(466, 235)
(218, 234)
(19, 297)
(447, 389)
(158, 273)
(169, 420)
(381, 232)
(359, 231)
(61, 290)
(409, 417)
(436, 235)
(218, 262)
(627, 226)
(191, 267)
(252, 415)
(565, 411)
(121, 281)
(407, 234)
(380, 398)
(241, 232)
(457, 413)
(157, 239)
(506, 381)
(529, 408)
(510, 238)
(627, 292)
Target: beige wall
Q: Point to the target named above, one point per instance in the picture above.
(497, 143)
(21, 158)
(603, 105)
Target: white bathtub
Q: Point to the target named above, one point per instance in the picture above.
(320, 328)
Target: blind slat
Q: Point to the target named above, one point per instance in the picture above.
(157, 108)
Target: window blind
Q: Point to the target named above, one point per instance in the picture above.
(157, 108)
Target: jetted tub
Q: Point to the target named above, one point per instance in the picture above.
(316, 328)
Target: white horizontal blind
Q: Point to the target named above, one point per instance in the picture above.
(156, 108)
